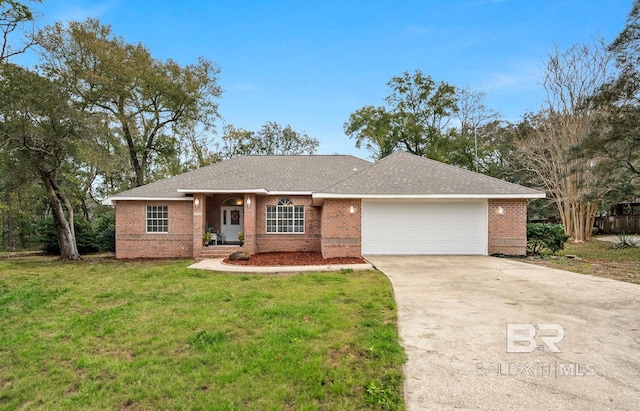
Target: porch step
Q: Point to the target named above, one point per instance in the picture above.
(219, 251)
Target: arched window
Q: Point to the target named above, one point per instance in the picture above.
(285, 217)
(233, 201)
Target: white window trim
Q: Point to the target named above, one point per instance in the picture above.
(277, 206)
(146, 219)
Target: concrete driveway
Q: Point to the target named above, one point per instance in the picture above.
(480, 333)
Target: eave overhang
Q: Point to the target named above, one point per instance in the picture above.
(319, 197)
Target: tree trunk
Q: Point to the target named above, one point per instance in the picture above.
(64, 226)
(137, 177)
(577, 219)
(3, 231)
(85, 211)
(10, 242)
(22, 226)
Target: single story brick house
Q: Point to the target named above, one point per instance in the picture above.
(339, 205)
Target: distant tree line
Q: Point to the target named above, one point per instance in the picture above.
(99, 115)
(582, 147)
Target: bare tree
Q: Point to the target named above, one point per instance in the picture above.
(474, 119)
(552, 146)
(13, 17)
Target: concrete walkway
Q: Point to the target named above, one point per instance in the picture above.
(454, 314)
(216, 264)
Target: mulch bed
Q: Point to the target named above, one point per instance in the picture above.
(295, 258)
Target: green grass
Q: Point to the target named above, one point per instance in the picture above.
(601, 250)
(155, 335)
(596, 258)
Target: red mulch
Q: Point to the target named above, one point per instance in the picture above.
(295, 258)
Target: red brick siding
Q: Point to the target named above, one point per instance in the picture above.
(508, 231)
(267, 242)
(250, 213)
(132, 241)
(198, 220)
(341, 229)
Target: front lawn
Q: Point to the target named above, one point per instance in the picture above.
(156, 335)
(596, 258)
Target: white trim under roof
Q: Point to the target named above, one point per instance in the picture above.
(206, 191)
(432, 196)
(245, 191)
(291, 193)
(320, 196)
(110, 200)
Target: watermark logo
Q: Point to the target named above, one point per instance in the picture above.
(526, 338)
(552, 369)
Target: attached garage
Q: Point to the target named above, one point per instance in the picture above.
(424, 227)
(406, 204)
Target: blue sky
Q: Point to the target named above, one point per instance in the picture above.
(311, 64)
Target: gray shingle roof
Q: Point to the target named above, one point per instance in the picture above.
(401, 174)
(255, 173)
(404, 174)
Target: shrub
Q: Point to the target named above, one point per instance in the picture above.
(542, 236)
(624, 241)
(48, 236)
(104, 229)
(85, 238)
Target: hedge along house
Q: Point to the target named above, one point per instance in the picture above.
(335, 204)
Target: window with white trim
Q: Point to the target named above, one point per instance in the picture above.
(285, 217)
(157, 219)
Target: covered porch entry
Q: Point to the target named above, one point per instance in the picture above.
(228, 215)
(224, 218)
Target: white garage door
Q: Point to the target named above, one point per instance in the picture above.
(424, 227)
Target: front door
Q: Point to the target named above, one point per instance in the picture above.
(232, 222)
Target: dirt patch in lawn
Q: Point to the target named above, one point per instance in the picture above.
(628, 271)
(295, 258)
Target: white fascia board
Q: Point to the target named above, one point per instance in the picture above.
(249, 191)
(110, 200)
(290, 193)
(431, 196)
(200, 191)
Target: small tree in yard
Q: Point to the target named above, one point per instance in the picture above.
(541, 236)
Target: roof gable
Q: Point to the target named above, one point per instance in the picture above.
(305, 173)
(404, 174)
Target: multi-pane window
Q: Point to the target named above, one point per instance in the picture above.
(157, 219)
(285, 217)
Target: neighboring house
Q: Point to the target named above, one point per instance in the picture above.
(335, 204)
